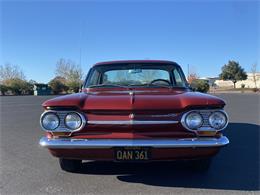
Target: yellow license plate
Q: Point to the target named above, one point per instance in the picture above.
(132, 154)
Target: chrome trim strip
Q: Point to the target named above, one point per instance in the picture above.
(121, 92)
(67, 143)
(131, 122)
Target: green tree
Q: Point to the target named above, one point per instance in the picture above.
(200, 85)
(57, 85)
(233, 72)
(18, 86)
(3, 89)
(74, 86)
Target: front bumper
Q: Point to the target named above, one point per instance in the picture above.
(69, 143)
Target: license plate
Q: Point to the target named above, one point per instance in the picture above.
(132, 154)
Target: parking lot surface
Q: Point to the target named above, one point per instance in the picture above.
(26, 168)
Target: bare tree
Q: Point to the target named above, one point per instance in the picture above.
(9, 71)
(192, 76)
(254, 71)
(71, 72)
(149, 75)
(122, 77)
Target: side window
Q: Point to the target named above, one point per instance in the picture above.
(94, 78)
(178, 78)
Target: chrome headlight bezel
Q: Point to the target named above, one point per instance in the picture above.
(205, 115)
(62, 127)
(189, 117)
(224, 115)
(66, 122)
(44, 115)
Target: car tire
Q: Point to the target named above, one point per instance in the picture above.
(201, 165)
(70, 165)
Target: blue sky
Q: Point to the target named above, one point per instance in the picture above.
(204, 34)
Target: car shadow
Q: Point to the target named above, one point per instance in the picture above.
(236, 167)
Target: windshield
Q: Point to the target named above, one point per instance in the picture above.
(135, 75)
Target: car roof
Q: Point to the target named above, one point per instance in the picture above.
(136, 62)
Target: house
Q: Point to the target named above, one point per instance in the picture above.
(41, 89)
(249, 82)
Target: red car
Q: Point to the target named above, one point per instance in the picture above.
(134, 111)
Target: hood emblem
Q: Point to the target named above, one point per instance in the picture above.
(131, 116)
(132, 97)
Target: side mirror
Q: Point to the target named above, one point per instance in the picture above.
(189, 86)
(192, 87)
(80, 88)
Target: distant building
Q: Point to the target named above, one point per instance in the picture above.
(211, 80)
(41, 89)
(249, 82)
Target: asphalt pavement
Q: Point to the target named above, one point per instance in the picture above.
(26, 168)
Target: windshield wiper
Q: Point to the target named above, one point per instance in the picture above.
(158, 85)
(107, 85)
(150, 85)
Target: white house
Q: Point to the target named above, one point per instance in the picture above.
(249, 83)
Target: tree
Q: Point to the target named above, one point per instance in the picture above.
(200, 85)
(146, 75)
(74, 86)
(57, 85)
(12, 78)
(233, 72)
(18, 86)
(9, 71)
(254, 71)
(192, 77)
(71, 72)
(3, 89)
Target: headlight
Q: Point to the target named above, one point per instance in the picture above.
(73, 121)
(217, 120)
(193, 120)
(50, 121)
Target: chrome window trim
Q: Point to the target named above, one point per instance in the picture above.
(131, 122)
(62, 121)
(204, 128)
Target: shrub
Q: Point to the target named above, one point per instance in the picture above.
(74, 86)
(19, 86)
(3, 89)
(57, 86)
(200, 86)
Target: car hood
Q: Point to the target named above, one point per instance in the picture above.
(136, 100)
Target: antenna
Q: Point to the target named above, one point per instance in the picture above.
(80, 51)
(188, 71)
(80, 43)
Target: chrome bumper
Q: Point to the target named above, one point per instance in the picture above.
(67, 143)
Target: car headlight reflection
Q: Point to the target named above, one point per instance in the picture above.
(193, 120)
(50, 121)
(217, 120)
(73, 121)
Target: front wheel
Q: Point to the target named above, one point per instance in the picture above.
(70, 165)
